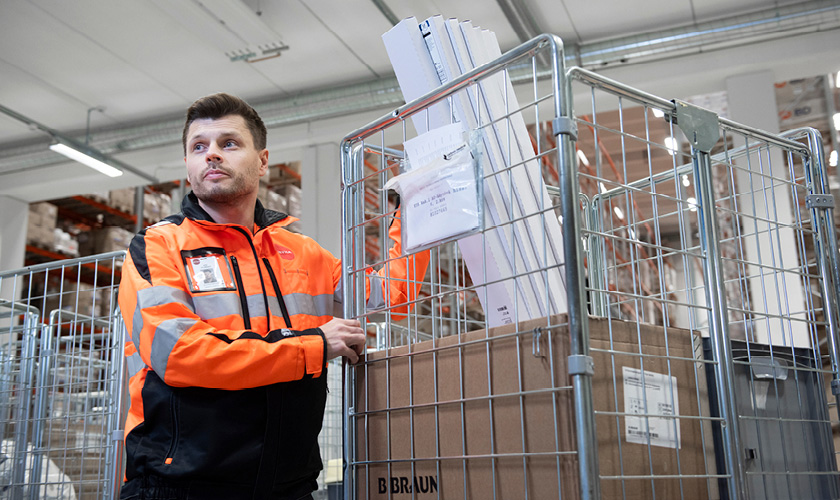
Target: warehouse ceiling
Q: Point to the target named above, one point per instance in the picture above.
(119, 74)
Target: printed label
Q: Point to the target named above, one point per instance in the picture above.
(654, 397)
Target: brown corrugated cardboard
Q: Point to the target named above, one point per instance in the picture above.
(492, 414)
(666, 352)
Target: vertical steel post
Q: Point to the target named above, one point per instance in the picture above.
(29, 339)
(120, 388)
(138, 208)
(580, 363)
(41, 395)
(821, 204)
(702, 129)
(352, 252)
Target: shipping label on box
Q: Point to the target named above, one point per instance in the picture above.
(647, 393)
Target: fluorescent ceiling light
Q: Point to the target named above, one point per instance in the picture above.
(836, 119)
(90, 161)
(832, 159)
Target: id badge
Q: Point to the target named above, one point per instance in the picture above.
(208, 270)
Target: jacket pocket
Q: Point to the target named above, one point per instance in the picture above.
(205, 435)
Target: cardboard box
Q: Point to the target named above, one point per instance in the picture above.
(111, 239)
(43, 215)
(104, 240)
(491, 413)
(122, 199)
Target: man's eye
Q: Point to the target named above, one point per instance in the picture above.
(198, 147)
(230, 144)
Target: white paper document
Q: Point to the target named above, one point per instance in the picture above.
(653, 394)
(439, 193)
(522, 252)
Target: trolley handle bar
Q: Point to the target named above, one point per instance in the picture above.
(442, 92)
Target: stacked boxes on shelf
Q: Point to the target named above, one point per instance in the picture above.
(284, 199)
(104, 240)
(122, 200)
(77, 297)
(41, 225)
(156, 206)
(272, 200)
(66, 243)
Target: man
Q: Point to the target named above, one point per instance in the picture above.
(231, 397)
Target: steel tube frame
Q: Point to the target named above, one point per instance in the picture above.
(353, 245)
(718, 324)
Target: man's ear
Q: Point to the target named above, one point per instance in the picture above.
(188, 170)
(263, 162)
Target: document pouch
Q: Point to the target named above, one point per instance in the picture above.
(440, 200)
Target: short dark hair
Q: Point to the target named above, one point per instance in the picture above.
(216, 106)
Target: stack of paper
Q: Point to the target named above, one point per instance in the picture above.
(520, 258)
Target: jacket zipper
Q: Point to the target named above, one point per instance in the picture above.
(243, 299)
(259, 273)
(279, 294)
(173, 412)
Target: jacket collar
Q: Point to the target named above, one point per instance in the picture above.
(262, 216)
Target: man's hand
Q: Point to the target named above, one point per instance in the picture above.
(345, 337)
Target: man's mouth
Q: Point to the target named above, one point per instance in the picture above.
(215, 173)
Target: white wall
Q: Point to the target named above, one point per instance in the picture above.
(320, 205)
(14, 216)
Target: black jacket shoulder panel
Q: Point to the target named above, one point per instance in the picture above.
(137, 247)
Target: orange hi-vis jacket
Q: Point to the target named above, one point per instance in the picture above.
(230, 398)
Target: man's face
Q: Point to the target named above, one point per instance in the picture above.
(223, 166)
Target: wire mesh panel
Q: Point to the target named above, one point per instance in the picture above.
(330, 439)
(698, 223)
(62, 380)
(648, 309)
(468, 394)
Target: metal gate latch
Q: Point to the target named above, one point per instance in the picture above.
(819, 201)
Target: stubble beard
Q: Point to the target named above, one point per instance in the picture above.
(226, 192)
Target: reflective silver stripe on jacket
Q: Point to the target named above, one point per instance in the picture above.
(134, 364)
(152, 297)
(209, 307)
(166, 335)
(313, 305)
(217, 305)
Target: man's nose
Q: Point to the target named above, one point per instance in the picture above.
(213, 154)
